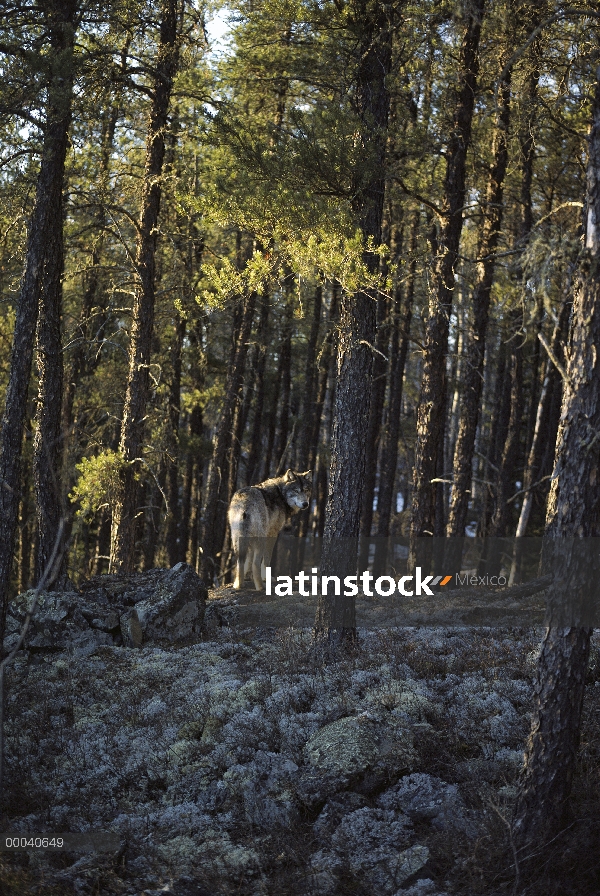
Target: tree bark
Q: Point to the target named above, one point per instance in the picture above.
(211, 539)
(432, 401)
(544, 431)
(285, 360)
(253, 465)
(337, 618)
(142, 328)
(375, 414)
(311, 384)
(315, 461)
(174, 543)
(398, 356)
(194, 460)
(475, 349)
(573, 513)
(47, 443)
(60, 18)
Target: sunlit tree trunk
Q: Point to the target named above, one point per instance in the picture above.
(142, 325)
(337, 618)
(60, 18)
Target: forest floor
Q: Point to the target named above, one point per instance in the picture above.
(248, 763)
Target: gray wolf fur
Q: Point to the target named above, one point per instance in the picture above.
(257, 514)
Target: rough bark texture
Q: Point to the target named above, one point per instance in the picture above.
(142, 326)
(60, 18)
(337, 618)
(47, 443)
(573, 512)
(432, 402)
(475, 348)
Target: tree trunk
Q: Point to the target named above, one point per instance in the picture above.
(174, 543)
(432, 402)
(142, 328)
(285, 360)
(325, 363)
(60, 17)
(337, 618)
(92, 280)
(253, 465)
(47, 443)
(398, 356)
(374, 426)
(212, 537)
(475, 349)
(311, 384)
(315, 462)
(573, 513)
(542, 433)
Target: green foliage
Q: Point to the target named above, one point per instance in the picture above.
(99, 482)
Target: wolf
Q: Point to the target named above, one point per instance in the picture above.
(257, 514)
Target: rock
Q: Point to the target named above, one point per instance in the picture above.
(334, 810)
(175, 611)
(57, 624)
(323, 873)
(159, 607)
(426, 798)
(371, 841)
(361, 751)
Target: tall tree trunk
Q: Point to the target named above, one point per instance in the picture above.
(375, 414)
(326, 357)
(142, 327)
(193, 457)
(573, 513)
(432, 402)
(398, 356)
(47, 443)
(475, 348)
(92, 280)
(317, 419)
(60, 17)
(337, 618)
(212, 537)
(281, 438)
(510, 454)
(174, 544)
(311, 385)
(542, 433)
(253, 465)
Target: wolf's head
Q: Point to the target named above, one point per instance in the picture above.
(296, 489)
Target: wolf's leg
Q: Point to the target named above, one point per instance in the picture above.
(256, 568)
(241, 552)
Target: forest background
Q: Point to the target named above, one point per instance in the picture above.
(344, 243)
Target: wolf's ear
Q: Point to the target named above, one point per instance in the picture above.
(289, 476)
